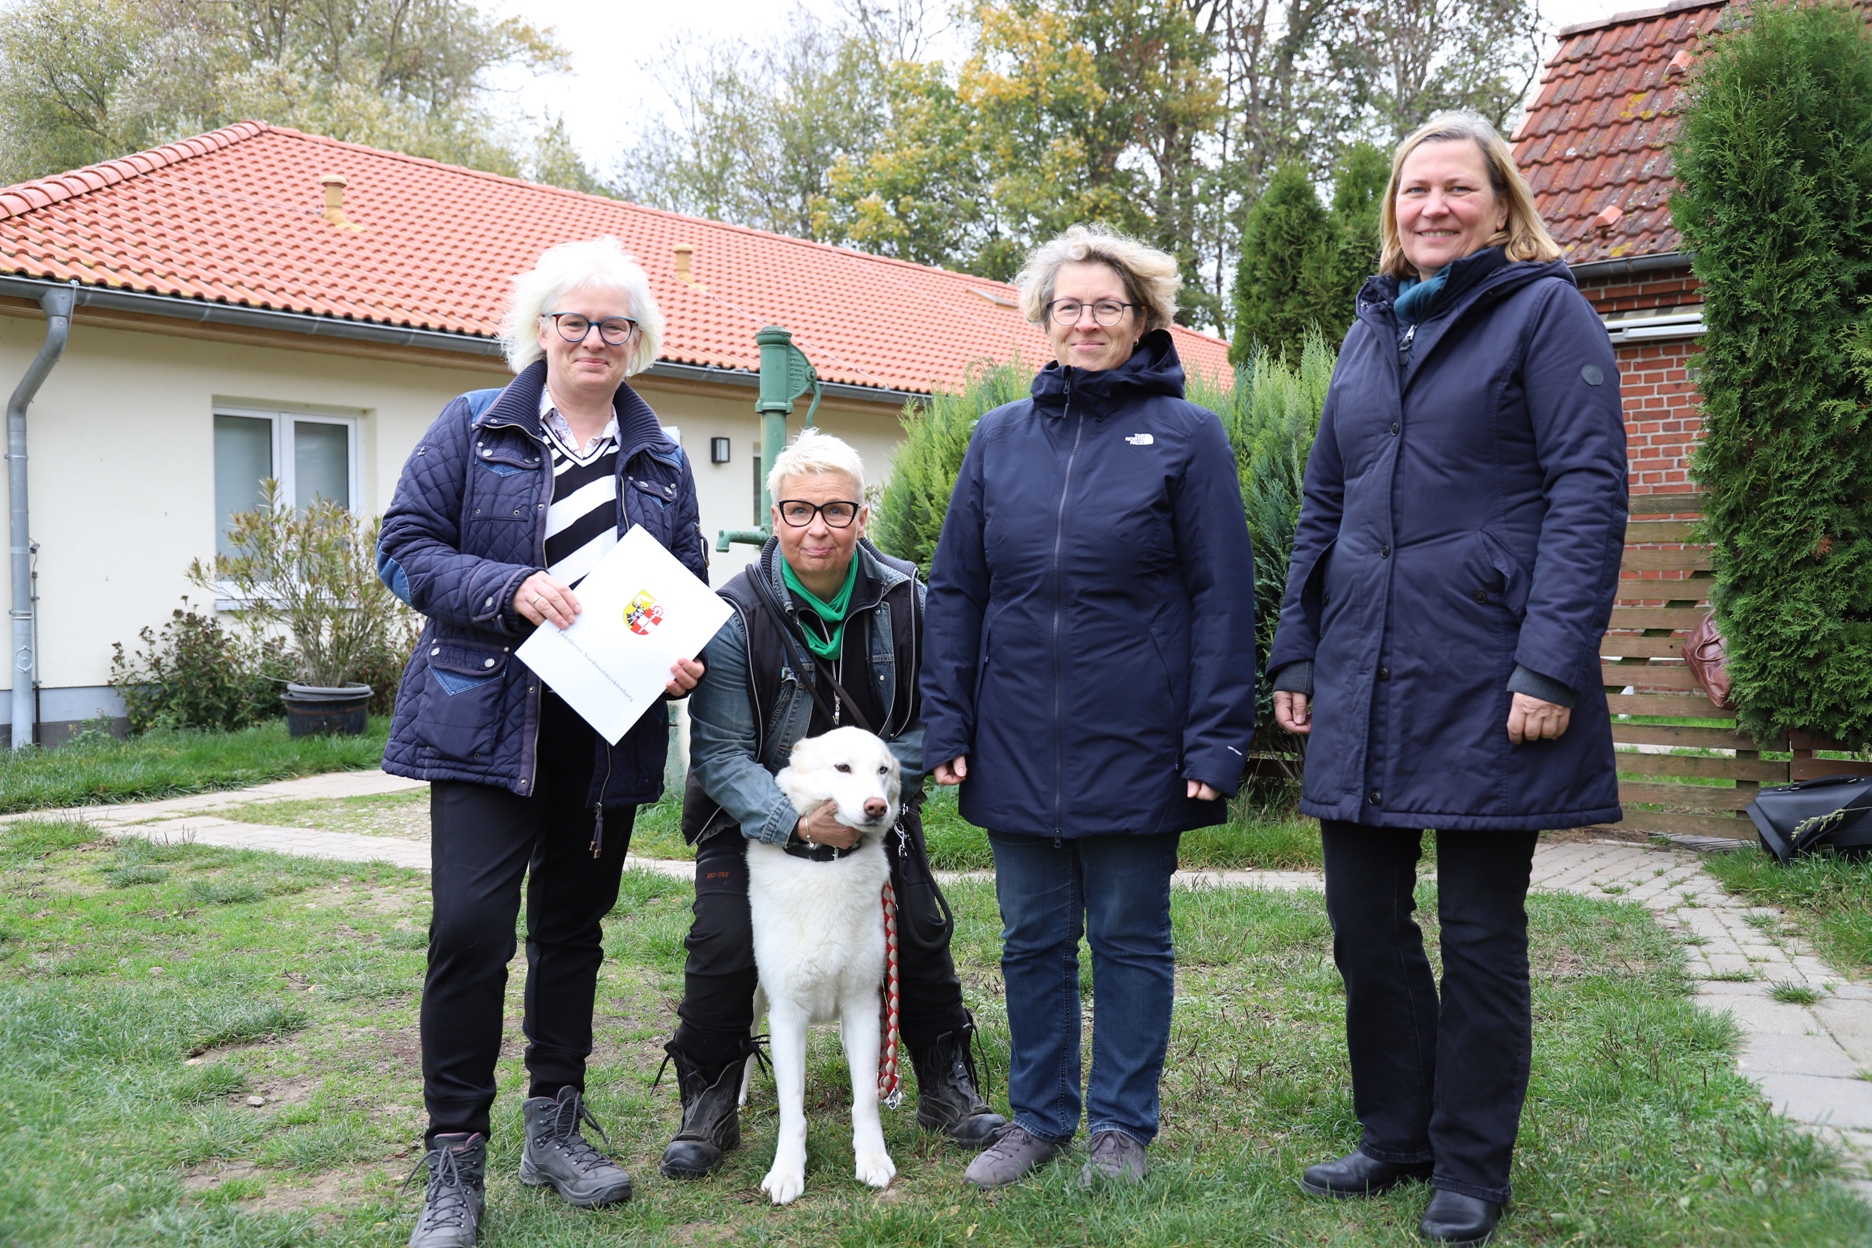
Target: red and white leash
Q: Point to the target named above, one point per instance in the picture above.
(890, 1086)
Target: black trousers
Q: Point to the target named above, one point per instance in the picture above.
(483, 841)
(717, 1010)
(1434, 1079)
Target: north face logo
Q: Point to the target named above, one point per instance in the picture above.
(1141, 439)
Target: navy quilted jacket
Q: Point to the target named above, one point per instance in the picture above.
(466, 526)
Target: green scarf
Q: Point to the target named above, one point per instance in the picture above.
(831, 614)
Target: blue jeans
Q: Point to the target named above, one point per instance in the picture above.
(1116, 889)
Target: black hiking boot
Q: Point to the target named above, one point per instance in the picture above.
(948, 1099)
(711, 1116)
(557, 1155)
(457, 1192)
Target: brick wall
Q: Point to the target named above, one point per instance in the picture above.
(1661, 420)
(1644, 292)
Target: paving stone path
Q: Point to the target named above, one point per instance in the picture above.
(1814, 1062)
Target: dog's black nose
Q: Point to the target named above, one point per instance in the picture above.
(876, 808)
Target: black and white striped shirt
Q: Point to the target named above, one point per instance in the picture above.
(582, 523)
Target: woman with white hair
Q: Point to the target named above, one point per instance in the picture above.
(511, 497)
(1089, 682)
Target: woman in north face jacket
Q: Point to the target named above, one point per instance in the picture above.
(1089, 681)
(1454, 568)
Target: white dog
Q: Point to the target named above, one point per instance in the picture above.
(819, 944)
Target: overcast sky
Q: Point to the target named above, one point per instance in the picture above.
(614, 80)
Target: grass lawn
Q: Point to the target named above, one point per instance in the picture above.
(149, 993)
(1828, 898)
(98, 769)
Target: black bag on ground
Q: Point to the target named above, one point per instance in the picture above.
(1834, 812)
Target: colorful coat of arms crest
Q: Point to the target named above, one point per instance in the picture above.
(643, 614)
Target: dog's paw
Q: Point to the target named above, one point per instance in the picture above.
(784, 1185)
(876, 1168)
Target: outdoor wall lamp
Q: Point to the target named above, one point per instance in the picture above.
(718, 450)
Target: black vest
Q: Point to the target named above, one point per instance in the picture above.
(774, 646)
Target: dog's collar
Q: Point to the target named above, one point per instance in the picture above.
(818, 853)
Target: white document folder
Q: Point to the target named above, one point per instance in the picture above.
(641, 611)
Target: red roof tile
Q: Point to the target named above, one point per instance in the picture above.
(1599, 133)
(237, 216)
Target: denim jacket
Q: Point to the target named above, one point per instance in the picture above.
(735, 757)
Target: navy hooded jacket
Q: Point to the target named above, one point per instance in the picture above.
(466, 526)
(1463, 526)
(1090, 621)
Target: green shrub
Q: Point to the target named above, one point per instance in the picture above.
(1775, 162)
(909, 514)
(194, 674)
(308, 576)
(1271, 415)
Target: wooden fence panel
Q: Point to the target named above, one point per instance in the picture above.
(1685, 779)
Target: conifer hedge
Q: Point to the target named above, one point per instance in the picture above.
(1302, 265)
(909, 516)
(1775, 166)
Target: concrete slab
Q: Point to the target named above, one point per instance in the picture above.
(1757, 1015)
(300, 842)
(1771, 1053)
(1842, 1103)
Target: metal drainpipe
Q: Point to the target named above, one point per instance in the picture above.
(57, 304)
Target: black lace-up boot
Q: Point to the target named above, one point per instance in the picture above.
(558, 1155)
(457, 1191)
(948, 1099)
(711, 1116)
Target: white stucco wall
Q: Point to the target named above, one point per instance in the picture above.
(121, 446)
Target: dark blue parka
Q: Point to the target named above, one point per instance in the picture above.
(1090, 620)
(466, 526)
(1464, 514)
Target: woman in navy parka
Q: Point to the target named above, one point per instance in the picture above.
(1089, 680)
(1455, 564)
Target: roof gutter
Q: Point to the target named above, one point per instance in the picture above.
(57, 303)
(201, 311)
(1601, 270)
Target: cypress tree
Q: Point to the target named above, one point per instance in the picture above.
(1358, 193)
(1287, 253)
(1775, 161)
(909, 515)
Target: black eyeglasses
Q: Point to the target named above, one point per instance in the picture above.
(1105, 311)
(614, 330)
(798, 513)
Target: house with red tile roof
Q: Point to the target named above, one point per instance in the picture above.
(261, 302)
(1595, 148)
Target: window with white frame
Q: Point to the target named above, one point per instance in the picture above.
(311, 455)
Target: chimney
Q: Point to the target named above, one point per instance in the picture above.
(685, 258)
(334, 184)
